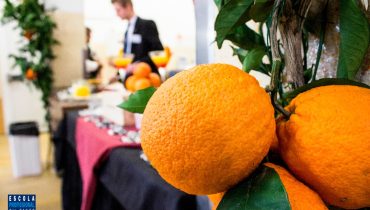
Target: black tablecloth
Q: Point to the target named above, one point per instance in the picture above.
(125, 181)
(136, 185)
(66, 163)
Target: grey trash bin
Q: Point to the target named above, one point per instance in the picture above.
(25, 149)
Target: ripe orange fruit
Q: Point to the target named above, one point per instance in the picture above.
(142, 83)
(207, 128)
(130, 83)
(326, 143)
(28, 34)
(300, 196)
(142, 70)
(30, 74)
(155, 79)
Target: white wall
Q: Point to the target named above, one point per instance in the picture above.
(70, 33)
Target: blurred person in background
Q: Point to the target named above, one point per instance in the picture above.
(141, 35)
(92, 66)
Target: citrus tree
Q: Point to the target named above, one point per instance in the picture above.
(35, 53)
(208, 130)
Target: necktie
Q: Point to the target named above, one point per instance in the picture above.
(125, 42)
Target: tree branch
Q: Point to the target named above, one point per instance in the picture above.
(276, 60)
(291, 32)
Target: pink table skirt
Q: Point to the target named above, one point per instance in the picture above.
(93, 146)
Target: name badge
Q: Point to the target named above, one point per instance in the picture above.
(136, 39)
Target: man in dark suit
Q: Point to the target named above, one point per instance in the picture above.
(141, 35)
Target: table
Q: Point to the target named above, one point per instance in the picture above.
(59, 107)
(125, 182)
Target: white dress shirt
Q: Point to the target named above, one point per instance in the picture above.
(130, 33)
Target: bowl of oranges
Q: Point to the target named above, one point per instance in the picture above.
(142, 78)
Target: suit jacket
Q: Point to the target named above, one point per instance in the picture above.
(147, 29)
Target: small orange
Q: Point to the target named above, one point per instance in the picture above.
(130, 83)
(30, 74)
(155, 79)
(216, 199)
(28, 34)
(300, 196)
(142, 70)
(142, 83)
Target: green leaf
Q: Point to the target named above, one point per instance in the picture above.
(265, 69)
(308, 75)
(261, 10)
(323, 82)
(241, 53)
(354, 39)
(263, 190)
(137, 101)
(253, 59)
(232, 14)
(245, 38)
(218, 3)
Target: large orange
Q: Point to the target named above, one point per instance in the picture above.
(326, 143)
(300, 196)
(142, 70)
(207, 128)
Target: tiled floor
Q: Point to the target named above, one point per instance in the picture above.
(46, 186)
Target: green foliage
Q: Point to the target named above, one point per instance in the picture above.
(232, 15)
(261, 10)
(36, 28)
(250, 45)
(263, 190)
(218, 3)
(253, 59)
(244, 37)
(231, 25)
(137, 101)
(354, 39)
